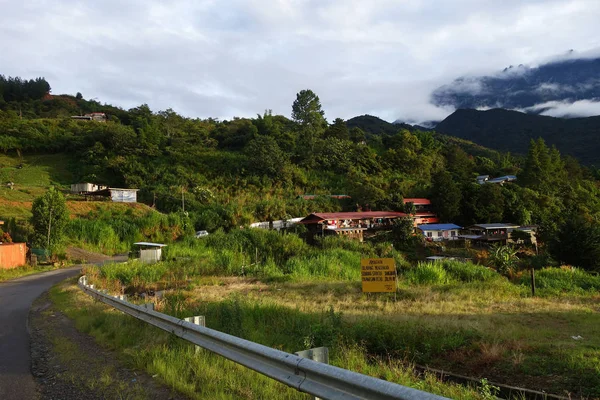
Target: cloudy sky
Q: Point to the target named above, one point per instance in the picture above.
(209, 58)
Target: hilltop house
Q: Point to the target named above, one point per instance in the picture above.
(118, 195)
(80, 188)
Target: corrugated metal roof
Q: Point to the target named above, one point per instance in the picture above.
(317, 217)
(149, 244)
(496, 225)
(438, 227)
(417, 201)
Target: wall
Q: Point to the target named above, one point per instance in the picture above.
(13, 255)
(123, 196)
(150, 255)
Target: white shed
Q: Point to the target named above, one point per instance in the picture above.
(150, 252)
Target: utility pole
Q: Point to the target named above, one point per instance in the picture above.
(182, 200)
(49, 228)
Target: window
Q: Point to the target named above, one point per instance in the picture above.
(429, 234)
(439, 234)
(452, 233)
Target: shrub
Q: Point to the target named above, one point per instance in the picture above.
(427, 274)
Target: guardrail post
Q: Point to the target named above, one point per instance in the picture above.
(121, 297)
(197, 320)
(148, 306)
(320, 354)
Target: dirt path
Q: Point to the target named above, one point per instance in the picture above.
(67, 364)
(84, 256)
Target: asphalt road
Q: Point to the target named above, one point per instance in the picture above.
(16, 297)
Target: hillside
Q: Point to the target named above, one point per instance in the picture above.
(33, 175)
(512, 131)
(546, 89)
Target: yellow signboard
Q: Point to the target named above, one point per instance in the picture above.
(378, 274)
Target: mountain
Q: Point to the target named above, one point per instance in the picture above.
(549, 89)
(378, 126)
(506, 130)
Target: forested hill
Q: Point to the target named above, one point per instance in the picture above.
(231, 173)
(512, 131)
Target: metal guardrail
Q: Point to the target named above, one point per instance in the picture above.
(304, 375)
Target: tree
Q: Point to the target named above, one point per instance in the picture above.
(402, 231)
(338, 130)
(307, 111)
(79, 96)
(446, 196)
(50, 216)
(577, 242)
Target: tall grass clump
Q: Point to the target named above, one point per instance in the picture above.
(563, 280)
(427, 274)
(469, 272)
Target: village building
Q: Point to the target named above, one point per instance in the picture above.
(150, 252)
(349, 224)
(80, 188)
(439, 232)
(496, 233)
(117, 195)
(95, 116)
(423, 211)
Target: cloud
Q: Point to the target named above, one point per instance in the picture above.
(580, 108)
(208, 58)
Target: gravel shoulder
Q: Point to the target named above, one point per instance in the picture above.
(68, 364)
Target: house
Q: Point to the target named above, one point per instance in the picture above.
(349, 224)
(80, 188)
(95, 116)
(481, 179)
(439, 232)
(496, 233)
(118, 195)
(423, 211)
(150, 252)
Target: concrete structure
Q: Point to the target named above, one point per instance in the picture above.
(482, 179)
(86, 187)
(439, 232)
(12, 255)
(150, 252)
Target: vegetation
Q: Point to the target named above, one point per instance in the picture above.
(205, 174)
(50, 216)
(447, 314)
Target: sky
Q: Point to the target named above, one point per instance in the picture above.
(220, 59)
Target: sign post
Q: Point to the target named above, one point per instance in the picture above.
(378, 275)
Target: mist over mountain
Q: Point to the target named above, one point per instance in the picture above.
(564, 88)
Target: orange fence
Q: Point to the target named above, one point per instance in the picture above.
(12, 255)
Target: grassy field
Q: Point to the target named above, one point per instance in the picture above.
(206, 375)
(459, 317)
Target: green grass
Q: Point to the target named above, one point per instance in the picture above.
(206, 375)
(37, 171)
(13, 273)
(460, 317)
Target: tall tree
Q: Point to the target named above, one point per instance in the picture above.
(306, 110)
(50, 216)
